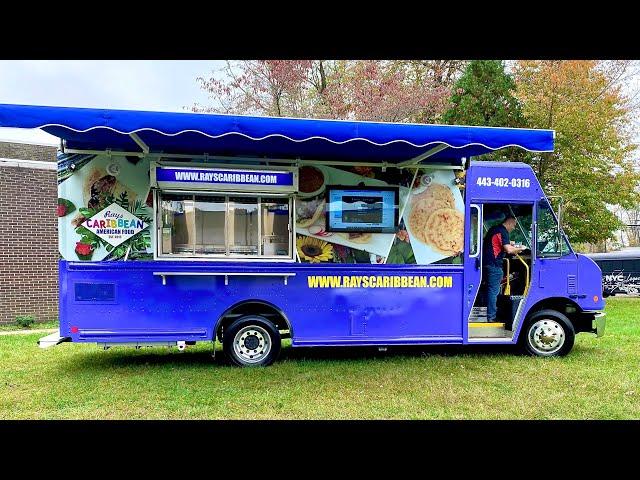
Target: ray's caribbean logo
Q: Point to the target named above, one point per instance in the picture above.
(114, 224)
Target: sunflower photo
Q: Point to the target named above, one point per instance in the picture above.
(313, 250)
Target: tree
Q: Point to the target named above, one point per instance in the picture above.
(592, 164)
(264, 87)
(485, 95)
(383, 91)
(358, 90)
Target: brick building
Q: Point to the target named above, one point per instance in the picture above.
(29, 233)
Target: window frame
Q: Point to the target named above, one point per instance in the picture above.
(564, 247)
(214, 257)
(477, 232)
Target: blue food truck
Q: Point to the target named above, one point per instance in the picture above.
(176, 228)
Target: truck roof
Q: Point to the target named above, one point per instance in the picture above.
(485, 163)
(624, 254)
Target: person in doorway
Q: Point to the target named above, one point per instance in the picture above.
(495, 245)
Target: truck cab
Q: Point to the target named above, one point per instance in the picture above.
(549, 292)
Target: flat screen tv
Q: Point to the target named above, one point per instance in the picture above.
(362, 209)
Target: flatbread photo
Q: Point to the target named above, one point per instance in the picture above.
(434, 219)
(98, 184)
(436, 192)
(445, 231)
(420, 213)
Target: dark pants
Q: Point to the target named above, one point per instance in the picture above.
(493, 276)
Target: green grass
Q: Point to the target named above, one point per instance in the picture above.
(599, 379)
(37, 325)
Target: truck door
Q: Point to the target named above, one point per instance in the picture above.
(472, 260)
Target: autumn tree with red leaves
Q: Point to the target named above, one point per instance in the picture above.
(395, 91)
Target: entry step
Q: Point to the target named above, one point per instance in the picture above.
(488, 330)
(478, 314)
(486, 324)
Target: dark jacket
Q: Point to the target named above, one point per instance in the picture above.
(492, 251)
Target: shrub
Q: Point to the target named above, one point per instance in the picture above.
(25, 321)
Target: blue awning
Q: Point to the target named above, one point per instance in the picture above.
(269, 137)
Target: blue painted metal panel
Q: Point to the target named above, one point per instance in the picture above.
(502, 182)
(189, 307)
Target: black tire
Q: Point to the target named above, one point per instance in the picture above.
(557, 324)
(251, 341)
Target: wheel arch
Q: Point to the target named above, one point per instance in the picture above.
(561, 304)
(580, 320)
(252, 307)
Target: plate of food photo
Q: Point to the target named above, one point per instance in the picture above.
(311, 181)
(89, 188)
(311, 211)
(434, 217)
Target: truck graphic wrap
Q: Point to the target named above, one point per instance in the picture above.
(113, 208)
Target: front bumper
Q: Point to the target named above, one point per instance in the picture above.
(598, 324)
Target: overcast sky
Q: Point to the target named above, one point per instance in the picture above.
(162, 85)
(167, 85)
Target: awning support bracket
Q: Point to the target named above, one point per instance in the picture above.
(145, 148)
(422, 156)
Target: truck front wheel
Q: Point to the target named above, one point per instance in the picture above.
(548, 333)
(251, 341)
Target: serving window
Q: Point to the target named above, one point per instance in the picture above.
(199, 225)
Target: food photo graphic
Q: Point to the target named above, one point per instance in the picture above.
(431, 219)
(88, 187)
(311, 207)
(433, 216)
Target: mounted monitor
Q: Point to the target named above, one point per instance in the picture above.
(362, 209)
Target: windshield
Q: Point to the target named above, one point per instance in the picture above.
(522, 233)
(551, 240)
(496, 213)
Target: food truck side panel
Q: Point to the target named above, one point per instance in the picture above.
(123, 282)
(571, 279)
(125, 302)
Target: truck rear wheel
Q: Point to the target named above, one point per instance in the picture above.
(548, 333)
(251, 341)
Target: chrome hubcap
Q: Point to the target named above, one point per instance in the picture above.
(546, 336)
(252, 344)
